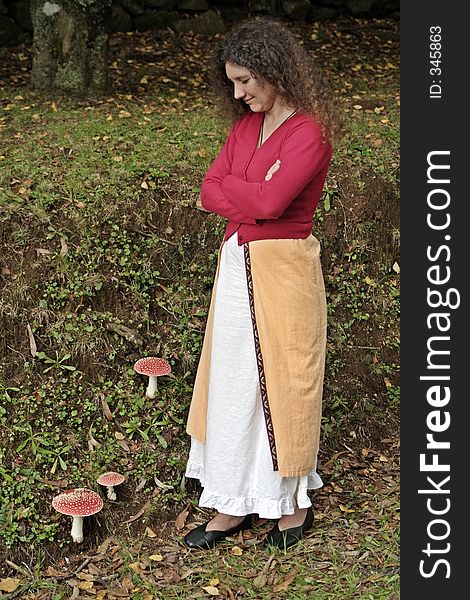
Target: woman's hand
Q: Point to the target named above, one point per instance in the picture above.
(276, 166)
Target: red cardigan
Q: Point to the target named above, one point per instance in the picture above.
(235, 188)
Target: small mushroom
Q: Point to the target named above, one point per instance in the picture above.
(78, 503)
(109, 480)
(152, 367)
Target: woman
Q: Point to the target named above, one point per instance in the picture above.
(255, 414)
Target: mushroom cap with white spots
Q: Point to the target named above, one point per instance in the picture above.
(152, 366)
(110, 478)
(80, 502)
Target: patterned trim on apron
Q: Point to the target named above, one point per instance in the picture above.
(259, 361)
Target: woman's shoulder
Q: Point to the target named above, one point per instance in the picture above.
(305, 121)
(307, 126)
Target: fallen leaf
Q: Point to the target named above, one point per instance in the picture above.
(51, 572)
(32, 342)
(345, 509)
(150, 532)
(9, 584)
(135, 567)
(214, 581)
(211, 590)
(156, 557)
(103, 547)
(106, 410)
(260, 580)
(139, 514)
(63, 246)
(181, 519)
(396, 267)
(236, 551)
(124, 445)
(86, 585)
(282, 587)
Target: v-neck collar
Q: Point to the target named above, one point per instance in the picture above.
(261, 125)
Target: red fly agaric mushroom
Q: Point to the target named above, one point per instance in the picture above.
(109, 480)
(78, 503)
(153, 368)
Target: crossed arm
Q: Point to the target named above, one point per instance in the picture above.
(303, 155)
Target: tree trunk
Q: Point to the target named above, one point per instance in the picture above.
(70, 46)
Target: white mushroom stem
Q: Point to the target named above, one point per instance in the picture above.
(77, 529)
(152, 387)
(111, 493)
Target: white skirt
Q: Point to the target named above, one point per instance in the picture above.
(234, 466)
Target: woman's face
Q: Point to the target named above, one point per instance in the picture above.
(260, 98)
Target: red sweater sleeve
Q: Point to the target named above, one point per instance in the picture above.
(212, 196)
(303, 155)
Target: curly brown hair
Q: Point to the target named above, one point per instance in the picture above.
(272, 54)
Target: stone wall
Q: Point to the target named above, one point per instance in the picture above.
(200, 16)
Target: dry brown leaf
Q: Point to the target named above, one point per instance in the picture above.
(139, 514)
(282, 587)
(159, 557)
(150, 532)
(236, 551)
(51, 572)
(124, 445)
(85, 576)
(211, 590)
(106, 410)
(63, 246)
(93, 570)
(85, 585)
(9, 584)
(181, 519)
(135, 567)
(32, 342)
(103, 547)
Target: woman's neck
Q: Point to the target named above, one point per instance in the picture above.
(277, 113)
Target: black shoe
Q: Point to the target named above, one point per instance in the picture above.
(287, 538)
(200, 538)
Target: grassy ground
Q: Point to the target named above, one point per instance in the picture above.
(104, 258)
